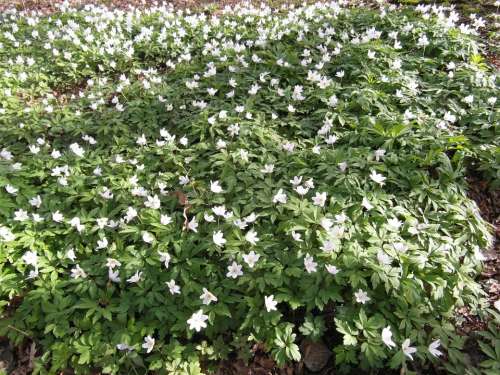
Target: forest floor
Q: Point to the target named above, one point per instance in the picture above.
(20, 360)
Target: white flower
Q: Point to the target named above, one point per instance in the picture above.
(218, 238)
(383, 258)
(165, 258)
(141, 141)
(197, 321)
(296, 180)
(234, 270)
(153, 202)
(193, 225)
(123, 346)
(30, 258)
(361, 296)
(297, 93)
(270, 303)
(280, 197)
(114, 276)
(215, 187)
(251, 237)
(319, 199)
(147, 237)
(407, 349)
(6, 154)
(101, 244)
(254, 89)
(21, 215)
(243, 155)
(75, 222)
(332, 269)
(331, 139)
(301, 190)
(387, 337)
(268, 168)
(378, 178)
(326, 223)
(297, 236)
(379, 154)
(77, 149)
(251, 258)
(340, 218)
(37, 219)
(135, 278)
(400, 247)
(310, 264)
(173, 287)
(233, 130)
(165, 219)
(328, 246)
(288, 146)
(336, 232)
(396, 64)
(149, 343)
(183, 180)
(250, 218)
(240, 224)
(449, 117)
(11, 189)
(394, 224)
(33, 273)
(70, 254)
(366, 204)
(132, 181)
(423, 41)
(219, 210)
(332, 101)
(77, 272)
(57, 217)
(6, 234)
(34, 149)
(36, 201)
(62, 181)
(433, 348)
(220, 144)
(112, 263)
(207, 297)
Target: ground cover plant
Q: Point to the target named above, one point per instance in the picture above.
(177, 187)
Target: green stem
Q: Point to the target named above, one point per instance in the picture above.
(403, 368)
(18, 330)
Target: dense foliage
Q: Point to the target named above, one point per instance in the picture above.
(177, 186)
